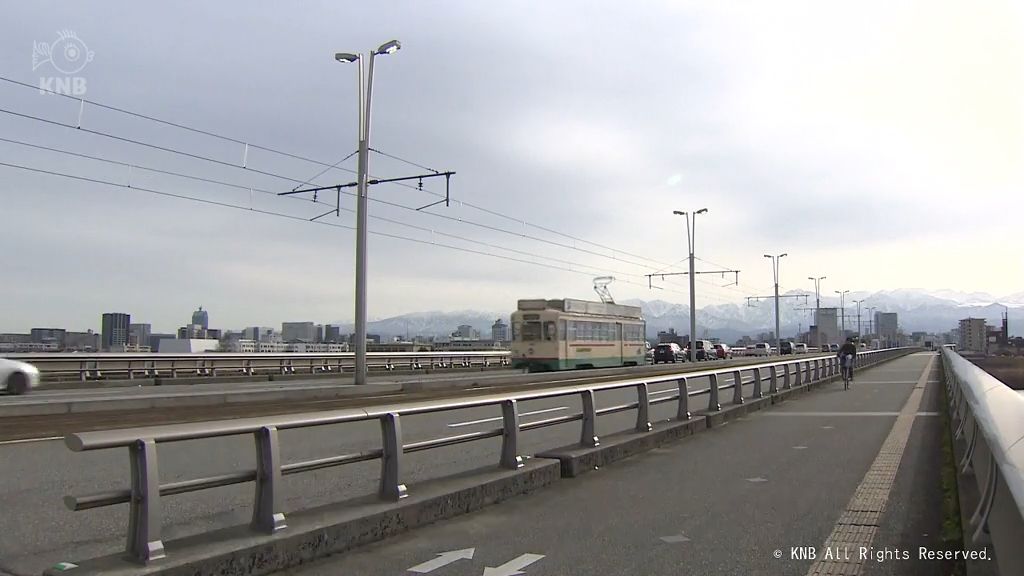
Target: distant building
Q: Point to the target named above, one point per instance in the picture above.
(670, 337)
(155, 338)
(202, 318)
(332, 334)
(499, 331)
(188, 345)
(370, 338)
(192, 332)
(114, 330)
(87, 341)
(466, 332)
(54, 336)
(886, 328)
(261, 334)
(298, 332)
(138, 334)
(972, 335)
(826, 321)
(467, 345)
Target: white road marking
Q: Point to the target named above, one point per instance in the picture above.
(514, 566)
(28, 440)
(443, 559)
(756, 480)
(799, 447)
(486, 420)
(675, 538)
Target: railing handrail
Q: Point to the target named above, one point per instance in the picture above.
(146, 491)
(142, 356)
(124, 437)
(999, 413)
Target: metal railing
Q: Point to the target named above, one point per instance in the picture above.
(989, 418)
(145, 493)
(84, 367)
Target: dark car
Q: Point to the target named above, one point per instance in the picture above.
(786, 347)
(668, 352)
(705, 350)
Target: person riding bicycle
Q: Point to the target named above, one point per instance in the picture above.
(847, 353)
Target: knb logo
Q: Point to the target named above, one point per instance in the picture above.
(68, 55)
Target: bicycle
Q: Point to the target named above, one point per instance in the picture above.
(846, 367)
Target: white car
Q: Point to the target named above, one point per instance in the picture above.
(761, 349)
(17, 377)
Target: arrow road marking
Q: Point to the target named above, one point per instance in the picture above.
(443, 559)
(513, 567)
(675, 539)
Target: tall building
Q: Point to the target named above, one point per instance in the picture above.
(138, 334)
(499, 331)
(972, 334)
(828, 326)
(886, 327)
(466, 332)
(298, 332)
(82, 341)
(114, 331)
(332, 334)
(201, 318)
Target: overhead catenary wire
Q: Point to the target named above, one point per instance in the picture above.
(289, 216)
(326, 165)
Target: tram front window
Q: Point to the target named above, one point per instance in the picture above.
(531, 331)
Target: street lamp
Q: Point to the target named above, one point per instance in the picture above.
(817, 307)
(691, 239)
(364, 145)
(871, 319)
(842, 308)
(775, 268)
(858, 318)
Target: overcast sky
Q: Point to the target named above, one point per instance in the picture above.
(877, 143)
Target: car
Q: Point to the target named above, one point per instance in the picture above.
(833, 347)
(668, 352)
(17, 377)
(760, 349)
(723, 351)
(786, 347)
(800, 348)
(706, 350)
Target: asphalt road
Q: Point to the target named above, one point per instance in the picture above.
(721, 502)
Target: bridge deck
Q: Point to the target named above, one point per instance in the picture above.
(721, 502)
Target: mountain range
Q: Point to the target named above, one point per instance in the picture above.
(933, 311)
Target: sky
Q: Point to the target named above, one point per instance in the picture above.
(879, 144)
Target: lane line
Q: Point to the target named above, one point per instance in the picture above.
(496, 419)
(29, 440)
(856, 528)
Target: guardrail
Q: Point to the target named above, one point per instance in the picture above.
(84, 367)
(989, 418)
(145, 493)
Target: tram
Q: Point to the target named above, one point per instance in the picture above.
(567, 334)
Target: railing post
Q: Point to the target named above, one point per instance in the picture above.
(737, 387)
(266, 513)
(797, 374)
(391, 459)
(683, 413)
(713, 404)
(643, 408)
(757, 384)
(588, 436)
(773, 373)
(510, 436)
(786, 384)
(144, 515)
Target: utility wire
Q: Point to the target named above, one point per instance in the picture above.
(274, 194)
(326, 165)
(289, 216)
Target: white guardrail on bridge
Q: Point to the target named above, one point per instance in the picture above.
(146, 493)
(86, 367)
(989, 418)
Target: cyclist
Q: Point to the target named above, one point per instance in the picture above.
(847, 353)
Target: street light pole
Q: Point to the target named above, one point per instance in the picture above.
(858, 318)
(775, 269)
(842, 309)
(691, 240)
(817, 307)
(871, 319)
(361, 216)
